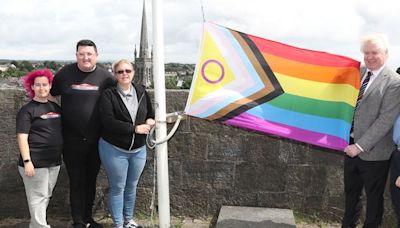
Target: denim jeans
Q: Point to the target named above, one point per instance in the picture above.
(123, 173)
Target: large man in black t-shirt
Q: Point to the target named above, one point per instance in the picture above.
(80, 85)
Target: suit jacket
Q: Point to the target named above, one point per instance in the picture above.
(375, 116)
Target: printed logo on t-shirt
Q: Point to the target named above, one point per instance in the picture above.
(84, 86)
(50, 115)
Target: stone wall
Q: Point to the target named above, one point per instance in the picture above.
(210, 165)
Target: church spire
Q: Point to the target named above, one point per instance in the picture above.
(144, 43)
(143, 62)
(135, 53)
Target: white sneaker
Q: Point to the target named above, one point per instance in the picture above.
(132, 224)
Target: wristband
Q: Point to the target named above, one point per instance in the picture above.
(27, 160)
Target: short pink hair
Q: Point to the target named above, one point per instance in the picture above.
(29, 80)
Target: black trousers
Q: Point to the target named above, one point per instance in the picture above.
(83, 164)
(371, 175)
(394, 190)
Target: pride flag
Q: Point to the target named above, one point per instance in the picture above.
(273, 88)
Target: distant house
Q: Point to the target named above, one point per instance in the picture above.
(171, 74)
(4, 67)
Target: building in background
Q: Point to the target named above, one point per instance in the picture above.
(144, 62)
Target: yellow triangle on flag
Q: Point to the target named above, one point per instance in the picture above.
(213, 71)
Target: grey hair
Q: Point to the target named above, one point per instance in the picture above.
(379, 39)
(119, 62)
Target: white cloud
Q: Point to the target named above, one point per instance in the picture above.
(49, 29)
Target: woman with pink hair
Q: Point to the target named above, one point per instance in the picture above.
(40, 142)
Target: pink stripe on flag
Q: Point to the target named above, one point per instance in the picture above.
(248, 121)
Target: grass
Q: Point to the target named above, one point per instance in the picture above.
(308, 221)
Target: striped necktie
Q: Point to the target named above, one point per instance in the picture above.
(361, 94)
(363, 86)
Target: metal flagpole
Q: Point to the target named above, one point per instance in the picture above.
(160, 111)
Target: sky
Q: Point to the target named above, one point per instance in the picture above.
(49, 29)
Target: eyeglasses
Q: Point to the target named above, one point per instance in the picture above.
(128, 71)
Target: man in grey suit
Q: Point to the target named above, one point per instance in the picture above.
(366, 163)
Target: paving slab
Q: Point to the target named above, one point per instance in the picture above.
(255, 217)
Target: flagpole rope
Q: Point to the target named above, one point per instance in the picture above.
(150, 139)
(202, 10)
(153, 193)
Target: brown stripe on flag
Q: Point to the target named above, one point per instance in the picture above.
(265, 94)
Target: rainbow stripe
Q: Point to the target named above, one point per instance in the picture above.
(270, 87)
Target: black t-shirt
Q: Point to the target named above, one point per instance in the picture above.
(80, 92)
(42, 123)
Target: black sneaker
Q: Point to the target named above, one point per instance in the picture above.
(93, 224)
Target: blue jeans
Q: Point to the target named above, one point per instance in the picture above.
(123, 173)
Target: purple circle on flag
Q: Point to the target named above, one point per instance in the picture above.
(204, 75)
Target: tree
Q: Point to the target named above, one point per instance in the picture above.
(25, 66)
(13, 72)
(15, 63)
(186, 84)
(51, 65)
(170, 83)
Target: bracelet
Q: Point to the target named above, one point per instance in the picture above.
(27, 160)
